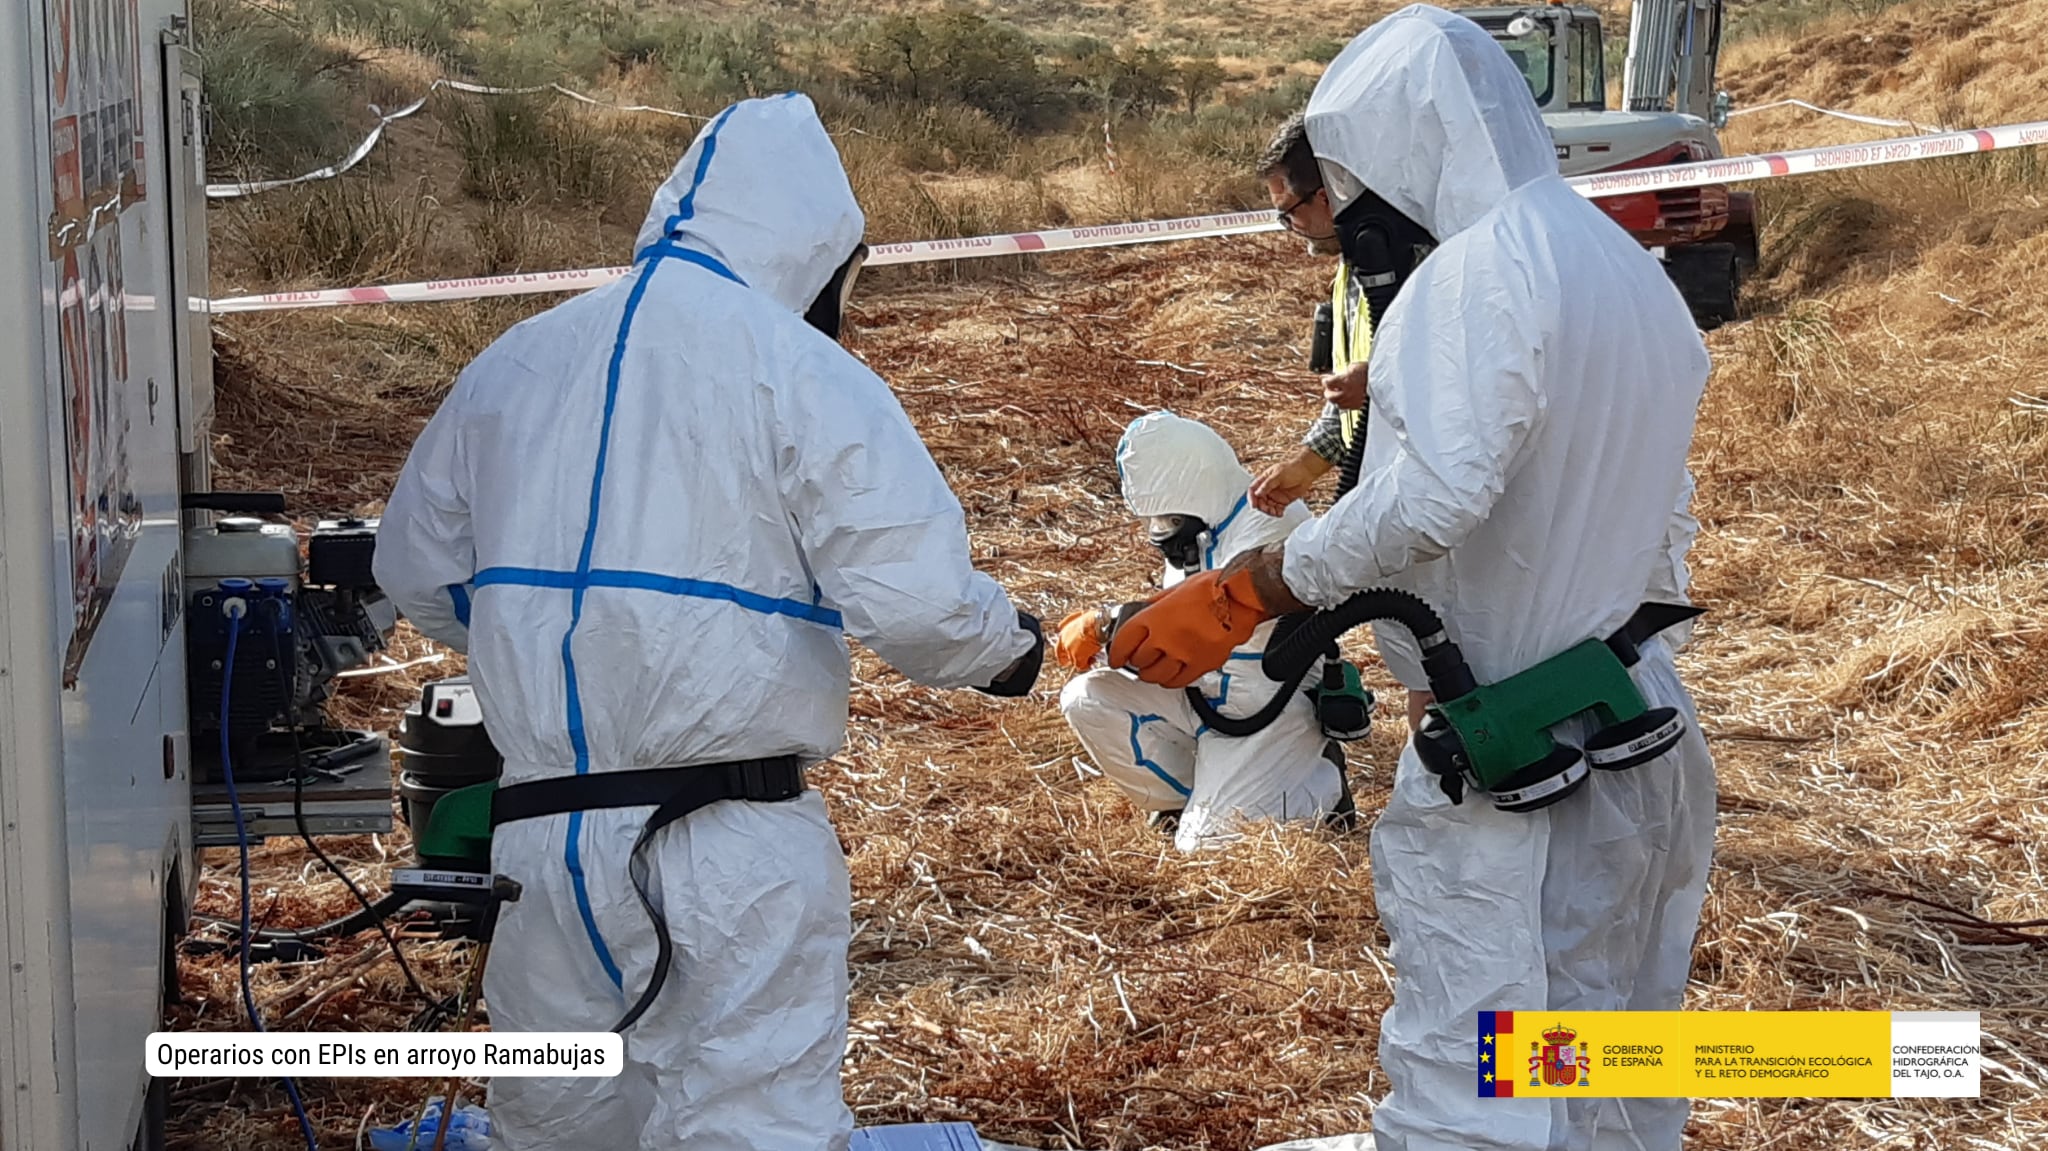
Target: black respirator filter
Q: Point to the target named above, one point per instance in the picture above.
(827, 312)
(1183, 544)
(1382, 246)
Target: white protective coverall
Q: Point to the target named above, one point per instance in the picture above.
(1148, 739)
(648, 514)
(1533, 391)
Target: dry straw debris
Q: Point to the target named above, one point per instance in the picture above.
(1027, 956)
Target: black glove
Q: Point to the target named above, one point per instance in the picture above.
(1023, 674)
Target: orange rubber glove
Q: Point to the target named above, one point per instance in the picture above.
(1191, 630)
(1079, 640)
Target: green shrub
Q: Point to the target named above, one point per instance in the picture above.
(1233, 134)
(273, 106)
(962, 57)
(336, 230)
(434, 27)
(1318, 49)
(501, 142)
(721, 61)
(1790, 17)
(1196, 80)
(536, 41)
(1123, 81)
(934, 137)
(517, 149)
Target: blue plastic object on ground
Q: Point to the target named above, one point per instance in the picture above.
(469, 1131)
(917, 1137)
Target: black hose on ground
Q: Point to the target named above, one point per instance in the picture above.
(362, 919)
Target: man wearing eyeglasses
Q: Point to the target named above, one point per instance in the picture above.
(1295, 184)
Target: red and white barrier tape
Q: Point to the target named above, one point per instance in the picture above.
(1836, 157)
(1598, 186)
(232, 191)
(362, 150)
(913, 252)
(1074, 239)
(376, 134)
(1877, 121)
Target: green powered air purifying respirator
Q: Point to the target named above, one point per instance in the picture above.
(1496, 737)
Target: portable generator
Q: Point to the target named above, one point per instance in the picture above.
(303, 622)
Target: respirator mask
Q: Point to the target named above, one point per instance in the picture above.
(1381, 246)
(828, 311)
(1180, 539)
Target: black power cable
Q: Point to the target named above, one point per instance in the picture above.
(437, 1009)
(355, 921)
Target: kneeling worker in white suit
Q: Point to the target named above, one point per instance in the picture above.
(1533, 387)
(1186, 483)
(652, 515)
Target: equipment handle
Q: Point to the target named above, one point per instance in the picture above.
(244, 503)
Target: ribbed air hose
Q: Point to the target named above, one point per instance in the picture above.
(1354, 458)
(1449, 678)
(1250, 725)
(1377, 301)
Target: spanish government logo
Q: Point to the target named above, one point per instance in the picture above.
(1556, 1063)
(1496, 1035)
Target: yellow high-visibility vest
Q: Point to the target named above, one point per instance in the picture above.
(1350, 341)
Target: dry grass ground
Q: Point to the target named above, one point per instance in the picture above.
(1871, 460)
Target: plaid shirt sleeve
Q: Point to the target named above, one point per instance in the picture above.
(1326, 436)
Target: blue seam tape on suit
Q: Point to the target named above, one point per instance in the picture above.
(1216, 535)
(662, 584)
(1138, 751)
(663, 250)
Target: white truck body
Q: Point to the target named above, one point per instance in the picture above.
(105, 394)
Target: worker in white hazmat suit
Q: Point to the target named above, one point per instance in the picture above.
(1533, 388)
(1154, 743)
(651, 516)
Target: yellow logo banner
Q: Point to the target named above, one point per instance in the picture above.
(1726, 1054)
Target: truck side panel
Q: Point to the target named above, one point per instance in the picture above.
(102, 388)
(38, 1079)
(128, 794)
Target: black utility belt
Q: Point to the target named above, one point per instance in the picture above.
(673, 793)
(680, 790)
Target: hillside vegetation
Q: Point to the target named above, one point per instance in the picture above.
(1871, 459)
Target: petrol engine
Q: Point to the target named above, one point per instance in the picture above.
(268, 630)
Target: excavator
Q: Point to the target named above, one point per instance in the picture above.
(1670, 114)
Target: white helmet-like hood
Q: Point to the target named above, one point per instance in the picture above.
(776, 208)
(1170, 465)
(1426, 109)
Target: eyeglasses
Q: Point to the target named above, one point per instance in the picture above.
(1286, 214)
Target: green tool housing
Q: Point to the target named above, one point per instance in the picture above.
(1499, 738)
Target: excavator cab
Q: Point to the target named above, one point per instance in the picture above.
(1556, 48)
(1670, 113)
